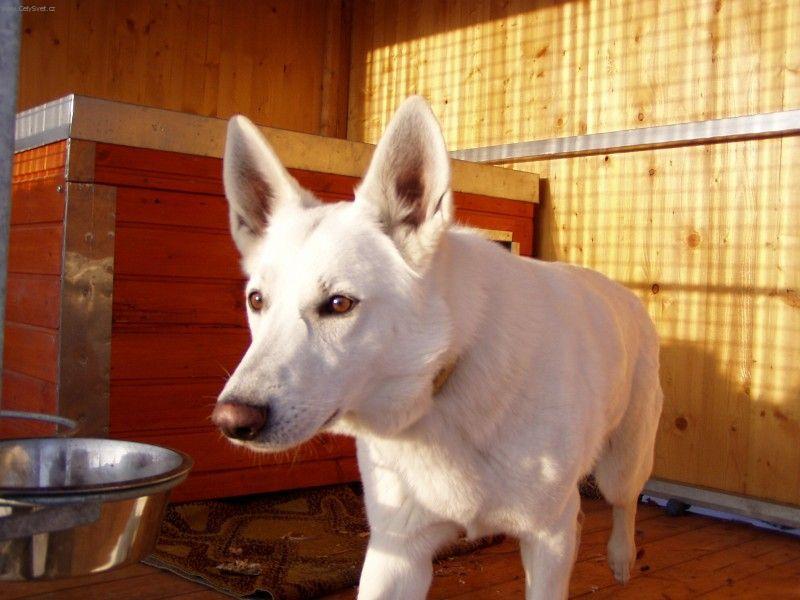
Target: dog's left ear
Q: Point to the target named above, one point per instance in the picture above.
(407, 184)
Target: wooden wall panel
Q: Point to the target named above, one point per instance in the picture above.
(35, 249)
(266, 478)
(33, 300)
(30, 353)
(707, 236)
(500, 72)
(207, 57)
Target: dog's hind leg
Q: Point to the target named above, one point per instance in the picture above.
(624, 466)
(548, 553)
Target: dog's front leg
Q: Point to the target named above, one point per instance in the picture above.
(549, 552)
(399, 566)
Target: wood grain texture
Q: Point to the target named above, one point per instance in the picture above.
(33, 300)
(40, 164)
(35, 249)
(207, 57)
(501, 72)
(30, 394)
(168, 352)
(267, 478)
(32, 351)
(765, 566)
(707, 237)
(37, 201)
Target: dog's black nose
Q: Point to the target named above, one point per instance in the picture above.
(238, 420)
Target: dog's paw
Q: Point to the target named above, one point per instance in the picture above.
(621, 560)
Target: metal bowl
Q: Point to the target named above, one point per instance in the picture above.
(78, 506)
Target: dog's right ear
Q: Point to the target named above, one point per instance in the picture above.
(256, 183)
(407, 185)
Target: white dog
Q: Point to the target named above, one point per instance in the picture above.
(480, 386)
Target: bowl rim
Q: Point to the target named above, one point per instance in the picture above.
(177, 473)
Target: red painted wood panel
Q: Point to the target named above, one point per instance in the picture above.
(157, 169)
(160, 207)
(269, 478)
(503, 206)
(175, 252)
(38, 202)
(152, 405)
(176, 353)
(21, 392)
(31, 351)
(35, 249)
(160, 170)
(179, 302)
(521, 228)
(34, 300)
(45, 162)
(34, 288)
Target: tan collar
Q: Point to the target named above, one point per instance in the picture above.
(442, 376)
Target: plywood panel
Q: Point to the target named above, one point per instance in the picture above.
(31, 351)
(208, 57)
(500, 72)
(180, 302)
(22, 392)
(153, 405)
(35, 249)
(34, 300)
(269, 478)
(40, 201)
(707, 237)
(162, 353)
(175, 252)
(43, 163)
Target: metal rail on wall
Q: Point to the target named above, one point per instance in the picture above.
(713, 131)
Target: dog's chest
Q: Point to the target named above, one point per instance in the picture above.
(444, 483)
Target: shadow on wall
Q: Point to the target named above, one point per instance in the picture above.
(745, 445)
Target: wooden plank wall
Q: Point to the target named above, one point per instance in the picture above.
(707, 236)
(281, 62)
(33, 303)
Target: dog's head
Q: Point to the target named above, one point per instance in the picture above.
(348, 323)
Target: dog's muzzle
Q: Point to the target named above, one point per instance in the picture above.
(238, 420)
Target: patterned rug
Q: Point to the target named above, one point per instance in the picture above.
(286, 546)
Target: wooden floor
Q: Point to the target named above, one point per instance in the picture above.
(679, 557)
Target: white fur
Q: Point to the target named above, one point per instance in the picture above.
(556, 366)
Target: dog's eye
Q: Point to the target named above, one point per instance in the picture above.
(337, 305)
(255, 300)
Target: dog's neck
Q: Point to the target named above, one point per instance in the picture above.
(443, 375)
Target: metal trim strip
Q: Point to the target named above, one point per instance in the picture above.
(771, 512)
(713, 131)
(87, 283)
(44, 124)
